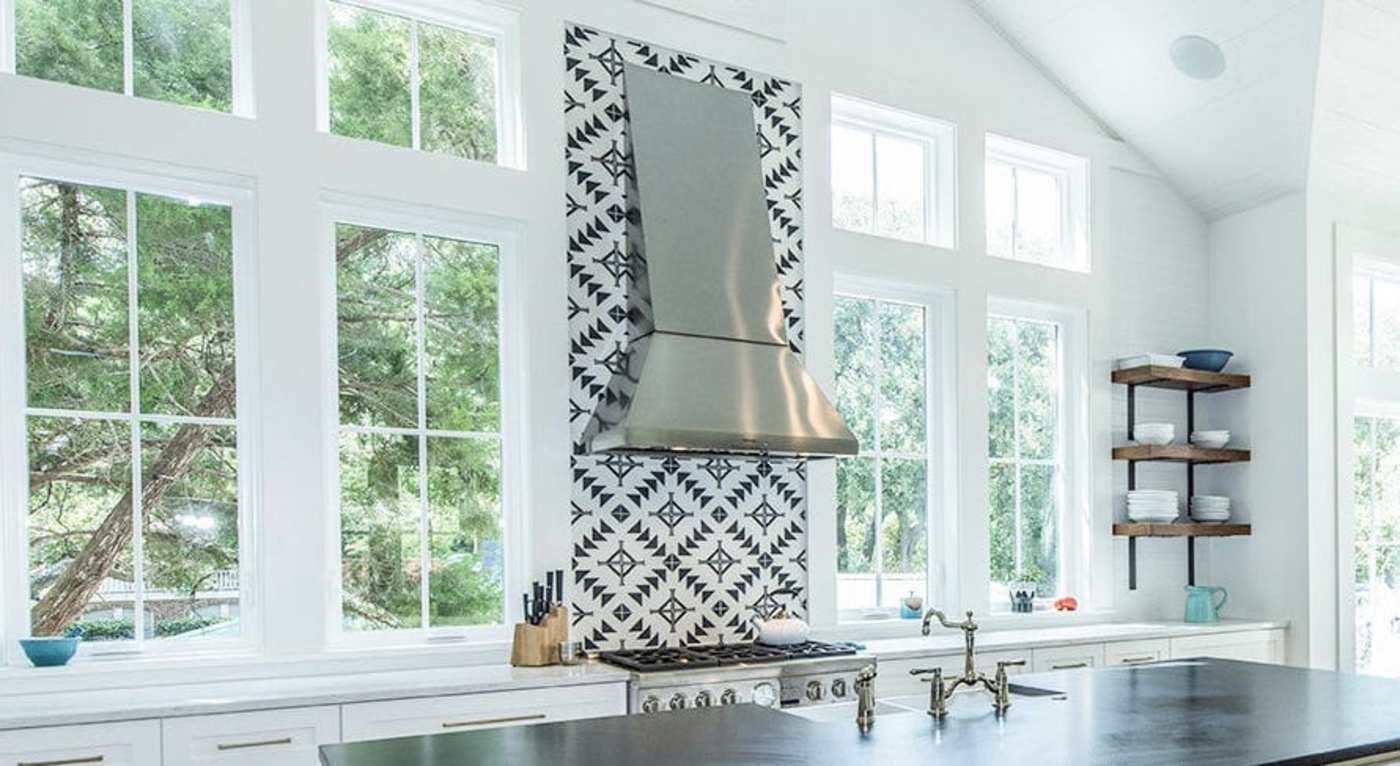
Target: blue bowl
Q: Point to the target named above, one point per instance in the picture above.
(1211, 359)
(49, 652)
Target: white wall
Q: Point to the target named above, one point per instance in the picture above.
(1258, 308)
(930, 56)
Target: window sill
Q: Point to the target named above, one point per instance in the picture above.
(901, 628)
(93, 673)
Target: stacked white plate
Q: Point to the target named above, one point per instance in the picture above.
(1210, 508)
(1154, 433)
(1210, 439)
(1152, 506)
(1156, 360)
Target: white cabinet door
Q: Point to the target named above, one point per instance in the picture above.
(130, 743)
(263, 738)
(1135, 652)
(895, 680)
(1250, 645)
(1067, 657)
(465, 712)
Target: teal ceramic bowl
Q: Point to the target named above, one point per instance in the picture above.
(49, 652)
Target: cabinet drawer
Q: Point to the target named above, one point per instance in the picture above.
(1067, 657)
(270, 737)
(131, 743)
(465, 712)
(1250, 645)
(1135, 652)
(894, 679)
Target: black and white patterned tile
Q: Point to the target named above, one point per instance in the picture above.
(668, 551)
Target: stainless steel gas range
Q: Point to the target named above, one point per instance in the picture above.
(674, 678)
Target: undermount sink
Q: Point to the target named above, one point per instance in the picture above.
(843, 711)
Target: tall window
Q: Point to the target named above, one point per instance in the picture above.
(882, 528)
(1377, 506)
(892, 172)
(420, 431)
(131, 414)
(443, 85)
(1024, 492)
(1037, 204)
(181, 51)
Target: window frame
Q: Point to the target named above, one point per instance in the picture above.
(938, 139)
(1074, 478)
(940, 436)
(240, 51)
(1072, 175)
(133, 178)
(507, 236)
(499, 23)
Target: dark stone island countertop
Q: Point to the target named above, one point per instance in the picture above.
(1183, 712)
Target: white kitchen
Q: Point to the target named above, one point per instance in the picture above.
(1030, 388)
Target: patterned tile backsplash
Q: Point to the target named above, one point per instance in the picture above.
(669, 551)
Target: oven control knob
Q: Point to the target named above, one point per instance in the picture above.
(728, 697)
(814, 690)
(651, 704)
(838, 687)
(704, 699)
(765, 695)
(677, 701)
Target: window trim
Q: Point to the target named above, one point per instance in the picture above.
(940, 433)
(1072, 173)
(496, 22)
(17, 161)
(241, 102)
(508, 236)
(939, 140)
(1076, 546)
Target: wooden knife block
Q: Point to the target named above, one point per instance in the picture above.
(536, 645)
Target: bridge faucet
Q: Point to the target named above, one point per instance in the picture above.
(939, 693)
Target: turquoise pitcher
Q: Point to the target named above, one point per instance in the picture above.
(1201, 605)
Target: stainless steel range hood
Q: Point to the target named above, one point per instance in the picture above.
(708, 369)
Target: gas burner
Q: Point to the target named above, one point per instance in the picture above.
(719, 655)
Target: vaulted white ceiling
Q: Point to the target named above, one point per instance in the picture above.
(1228, 143)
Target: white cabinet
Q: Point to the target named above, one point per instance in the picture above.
(263, 738)
(895, 680)
(1067, 657)
(465, 712)
(134, 743)
(1250, 645)
(1135, 652)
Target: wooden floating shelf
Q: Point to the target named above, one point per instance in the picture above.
(1179, 453)
(1181, 529)
(1180, 379)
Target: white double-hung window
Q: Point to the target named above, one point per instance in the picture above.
(1037, 204)
(426, 446)
(126, 333)
(886, 378)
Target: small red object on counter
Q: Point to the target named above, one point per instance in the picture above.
(1066, 604)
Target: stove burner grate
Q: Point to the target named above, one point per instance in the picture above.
(719, 655)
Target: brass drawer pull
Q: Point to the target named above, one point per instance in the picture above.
(1138, 660)
(1070, 666)
(487, 721)
(248, 745)
(65, 761)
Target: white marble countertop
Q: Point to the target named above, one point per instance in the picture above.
(63, 708)
(944, 641)
(18, 711)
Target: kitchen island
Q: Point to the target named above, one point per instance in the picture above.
(1189, 711)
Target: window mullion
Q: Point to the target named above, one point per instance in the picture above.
(1371, 323)
(138, 543)
(128, 49)
(878, 563)
(1015, 212)
(415, 84)
(1016, 443)
(8, 36)
(421, 331)
(874, 186)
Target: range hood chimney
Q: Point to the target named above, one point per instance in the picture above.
(707, 370)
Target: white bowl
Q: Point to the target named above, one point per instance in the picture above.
(1156, 360)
